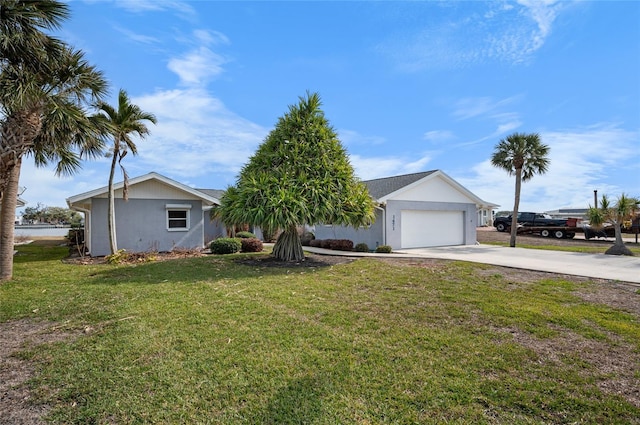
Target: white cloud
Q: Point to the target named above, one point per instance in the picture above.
(195, 135)
(488, 109)
(43, 186)
(210, 37)
(438, 136)
(138, 38)
(502, 32)
(197, 67)
(139, 6)
(376, 167)
(353, 138)
(471, 107)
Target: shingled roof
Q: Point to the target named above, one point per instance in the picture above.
(386, 185)
(216, 193)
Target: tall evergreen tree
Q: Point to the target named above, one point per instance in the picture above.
(299, 175)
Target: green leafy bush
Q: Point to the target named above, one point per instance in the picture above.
(245, 235)
(225, 246)
(361, 247)
(384, 249)
(75, 237)
(251, 245)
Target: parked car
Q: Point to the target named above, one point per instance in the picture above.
(528, 219)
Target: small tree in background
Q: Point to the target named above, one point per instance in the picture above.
(524, 156)
(615, 214)
(299, 175)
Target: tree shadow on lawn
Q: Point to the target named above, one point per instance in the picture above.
(300, 401)
(207, 268)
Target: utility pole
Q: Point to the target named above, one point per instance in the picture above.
(595, 198)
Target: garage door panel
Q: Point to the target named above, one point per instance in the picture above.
(431, 228)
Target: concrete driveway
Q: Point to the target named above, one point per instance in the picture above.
(601, 266)
(612, 267)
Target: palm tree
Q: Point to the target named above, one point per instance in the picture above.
(615, 214)
(44, 115)
(124, 121)
(523, 155)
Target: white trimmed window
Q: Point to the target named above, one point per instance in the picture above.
(178, 217)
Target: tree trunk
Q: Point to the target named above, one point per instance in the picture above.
(516, 205)
(111, 214)
(618, 248)
(7, 220)
(288, 246)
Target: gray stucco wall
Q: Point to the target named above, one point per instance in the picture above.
(391, 222)
(141, 226)
(372, 235)
(213, 229)
(394, 209)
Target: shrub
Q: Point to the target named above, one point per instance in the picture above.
(316, 243)
(245, 235)
(225, 246)
(340, 244)
(335, 244)
(306, 238)
(362, 247)
(251, 245)
(385, 249)
(75, 237)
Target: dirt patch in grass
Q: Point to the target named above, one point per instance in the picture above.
(610, 359)
(16, 407)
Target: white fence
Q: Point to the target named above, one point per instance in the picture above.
(41, 231)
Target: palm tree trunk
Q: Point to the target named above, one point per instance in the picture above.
(618, 248)
(111, 214)
(516, 205)
(7, 220)
(288, 246)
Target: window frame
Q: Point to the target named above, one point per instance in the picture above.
(186, 208)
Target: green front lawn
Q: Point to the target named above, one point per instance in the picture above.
(209, 340)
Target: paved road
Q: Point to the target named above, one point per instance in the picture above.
(612, 267)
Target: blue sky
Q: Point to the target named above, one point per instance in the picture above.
(408, 86)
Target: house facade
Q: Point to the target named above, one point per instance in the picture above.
(415, 211)
(160, 215)
(412, 211)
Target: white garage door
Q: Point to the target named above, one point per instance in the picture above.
(431, 228)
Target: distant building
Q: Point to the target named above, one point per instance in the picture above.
(569, 213)
(21, 203)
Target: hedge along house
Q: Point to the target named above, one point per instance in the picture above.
(417, 210)
(160, 215)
